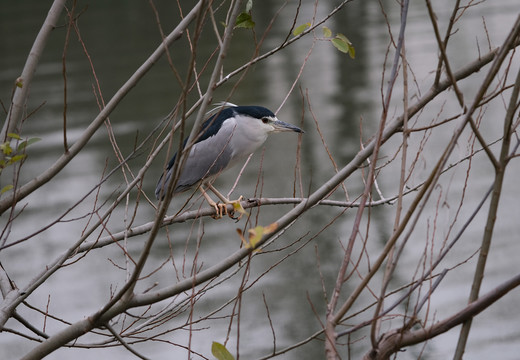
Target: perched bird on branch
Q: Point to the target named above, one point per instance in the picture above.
(225, 139)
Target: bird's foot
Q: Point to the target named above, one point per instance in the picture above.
(221, 209)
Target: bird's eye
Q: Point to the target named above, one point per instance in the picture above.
(265, 120)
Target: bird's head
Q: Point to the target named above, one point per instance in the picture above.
(263, 120)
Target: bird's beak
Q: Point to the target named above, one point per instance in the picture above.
(280, 126)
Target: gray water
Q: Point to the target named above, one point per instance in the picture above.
(119, 35)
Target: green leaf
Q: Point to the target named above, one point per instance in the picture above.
(343, 38)
(343, 44)
(220, 352)
(6, 188)
(244, 20)
(14, 136)
(327, 32)
(26, 143)
(32, 141)
(249, 5)
(301, 28)
(340, 45)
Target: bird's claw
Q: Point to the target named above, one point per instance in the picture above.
(221, 209)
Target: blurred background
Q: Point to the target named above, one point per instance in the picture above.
(345, 95)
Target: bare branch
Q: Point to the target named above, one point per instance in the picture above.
(393, 341)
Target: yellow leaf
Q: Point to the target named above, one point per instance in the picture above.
(351, 52)
(301, 29)
(237, 206)
(256, 234)
(271, 228)
(6, 148)
(6, 188)
(14, 136)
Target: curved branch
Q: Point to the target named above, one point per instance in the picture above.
(124, 298)
(499, 57)
(14, 116)
(47, 175)
(395, 340)
(312, 200)
(10, 303)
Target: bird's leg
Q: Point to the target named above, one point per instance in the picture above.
(226, 201)
(220, 209)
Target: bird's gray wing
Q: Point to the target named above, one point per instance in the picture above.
(206, 159)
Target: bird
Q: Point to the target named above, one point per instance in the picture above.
(225, 139)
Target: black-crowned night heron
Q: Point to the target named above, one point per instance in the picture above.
(225, 139)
